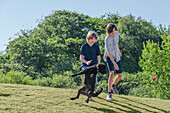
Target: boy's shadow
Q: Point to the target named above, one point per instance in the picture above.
(128, 106)
(130, 110)
(144, 104)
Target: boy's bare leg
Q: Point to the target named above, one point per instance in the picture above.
(118, 77)
(110, 80)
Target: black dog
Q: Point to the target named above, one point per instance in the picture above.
(90, 80)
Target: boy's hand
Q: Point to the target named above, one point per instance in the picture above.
(89, 62)
(116, 66)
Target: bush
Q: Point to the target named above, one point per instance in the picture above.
(44, 81)
(16, 77)
(58, 81)
(128, 82)
(142, 91)
(103, 84)
(63, 82)
(125, 85)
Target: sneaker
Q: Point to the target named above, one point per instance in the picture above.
(109, 97)
(115, 91)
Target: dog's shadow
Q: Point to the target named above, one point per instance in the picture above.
(105, 110)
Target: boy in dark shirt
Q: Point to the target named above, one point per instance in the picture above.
(90, 51)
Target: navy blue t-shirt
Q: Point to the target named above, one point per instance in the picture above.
(90, 53)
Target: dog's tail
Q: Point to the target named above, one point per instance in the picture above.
(80, 73)
(97, 92)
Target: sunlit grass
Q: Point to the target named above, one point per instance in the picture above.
(34, 99)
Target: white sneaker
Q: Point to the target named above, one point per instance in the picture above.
(109, 97)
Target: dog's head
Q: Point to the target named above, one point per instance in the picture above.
(101, 68)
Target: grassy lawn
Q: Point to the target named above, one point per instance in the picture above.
(34, 99)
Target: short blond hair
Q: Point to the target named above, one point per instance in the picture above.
(91, 34)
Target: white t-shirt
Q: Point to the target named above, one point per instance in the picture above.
(111, 44)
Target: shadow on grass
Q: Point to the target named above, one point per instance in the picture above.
(5, 95)
(101, 109)
(130, 110)
(144, 104)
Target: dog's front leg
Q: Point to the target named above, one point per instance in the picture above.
(89, 96)
(78, 94)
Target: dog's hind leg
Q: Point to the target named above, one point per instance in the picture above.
(78, 94)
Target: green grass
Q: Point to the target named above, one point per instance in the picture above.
(34, 99)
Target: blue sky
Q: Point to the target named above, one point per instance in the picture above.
(23, 14)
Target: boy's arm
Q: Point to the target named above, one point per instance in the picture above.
(98, 55)
(114, 63)
(98, 59)
(83, 60)
(120, 54)
(117, 41)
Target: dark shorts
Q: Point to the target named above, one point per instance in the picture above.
(111, 66)
(84, 67)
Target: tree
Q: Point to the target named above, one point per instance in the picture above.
(155, 62)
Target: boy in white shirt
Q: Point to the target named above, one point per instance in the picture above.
(112, 57)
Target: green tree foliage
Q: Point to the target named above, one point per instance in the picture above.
(133, 32)
(15, 77)
(155, 62)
